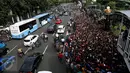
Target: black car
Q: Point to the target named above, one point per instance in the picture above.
(51, 28)
(31, 63)
(4, 51)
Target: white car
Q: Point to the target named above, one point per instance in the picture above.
(2, 28)
(61, 29)
(44, 72)
(30, 40)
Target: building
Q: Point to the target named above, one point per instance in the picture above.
(123, 45)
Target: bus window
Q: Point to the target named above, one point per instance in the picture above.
(32, 23)
(27, 25)
(44, 18)
(41, 19)
(23, 27)
(47, 16)
(30, 26)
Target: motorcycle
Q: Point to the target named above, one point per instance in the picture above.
(44, 37)
(20, 53)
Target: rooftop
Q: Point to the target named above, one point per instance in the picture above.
(60, 26)
(23, 22)
(126, 12)
(40, 15)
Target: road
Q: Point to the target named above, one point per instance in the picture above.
(50, 61)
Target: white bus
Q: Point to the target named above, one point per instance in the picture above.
(23, 28)
(43, 19)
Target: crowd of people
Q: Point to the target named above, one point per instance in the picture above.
(90, 49)
(5, 35)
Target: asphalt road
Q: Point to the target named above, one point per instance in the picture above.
(50, 61)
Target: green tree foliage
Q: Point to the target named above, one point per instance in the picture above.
(103, 2)
(24, 8)
(3, 12)
(112, 4)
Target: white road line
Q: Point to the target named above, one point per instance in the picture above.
(45, 50)
(53, 34)
(12, 49)
(27, 50)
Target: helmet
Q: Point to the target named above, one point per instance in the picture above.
(20, 50)
(57, 35)
(63, 40)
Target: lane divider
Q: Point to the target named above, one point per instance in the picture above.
(27, 50)
(12, 49)
(45, 50)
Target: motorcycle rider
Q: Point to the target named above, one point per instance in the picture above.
(20, 51)
(63, 41)
(44, 36)
(56, 37)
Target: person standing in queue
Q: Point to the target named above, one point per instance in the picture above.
(60, 57)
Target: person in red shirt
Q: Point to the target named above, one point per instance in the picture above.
(78, 59)
(60, 56)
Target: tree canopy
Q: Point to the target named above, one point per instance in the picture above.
(11, 9)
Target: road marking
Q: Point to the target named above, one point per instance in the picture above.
(29, 48)
(53, 34)
(45, 50)
(8, 68)
(12, 49)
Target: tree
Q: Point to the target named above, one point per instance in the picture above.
(3, 13)
(44, 4)
(13, 10)
(112, 4)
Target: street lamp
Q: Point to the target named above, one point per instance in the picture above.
(108, 10)
(107, 13)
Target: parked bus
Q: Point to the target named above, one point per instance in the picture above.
(43, 19)
(23, 28)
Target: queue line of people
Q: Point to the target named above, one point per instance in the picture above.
(90, 49)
